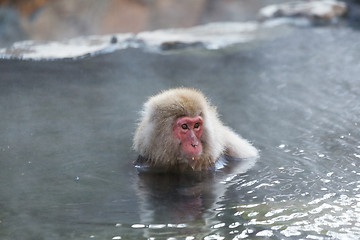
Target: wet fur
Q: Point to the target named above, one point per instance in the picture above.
(154, 139)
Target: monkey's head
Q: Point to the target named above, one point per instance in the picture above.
(174, 129)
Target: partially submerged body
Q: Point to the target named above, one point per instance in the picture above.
(224, 164)
(180, 131)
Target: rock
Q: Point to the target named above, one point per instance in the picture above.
(175, 45)
(313, 10)
(210, 36)
(10, 27)
(113, 40)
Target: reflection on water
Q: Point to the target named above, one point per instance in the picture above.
(66, 167)
(171, 201)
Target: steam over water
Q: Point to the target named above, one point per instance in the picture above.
(66, 128)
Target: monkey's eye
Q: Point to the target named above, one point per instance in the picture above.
(197, 125)
(184, 126)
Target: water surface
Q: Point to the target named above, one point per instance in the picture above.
(66, 128)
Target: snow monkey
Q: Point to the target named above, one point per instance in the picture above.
(180, 130)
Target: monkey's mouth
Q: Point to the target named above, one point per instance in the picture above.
(191, 150)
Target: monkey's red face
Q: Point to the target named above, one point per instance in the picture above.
(188, 130)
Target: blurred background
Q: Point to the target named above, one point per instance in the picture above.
(66, 126)
(62, 19)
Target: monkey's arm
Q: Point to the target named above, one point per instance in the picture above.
(236, 146)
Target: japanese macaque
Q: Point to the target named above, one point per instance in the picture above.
(180, 130)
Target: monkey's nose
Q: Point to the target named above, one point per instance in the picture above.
(193, 144)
